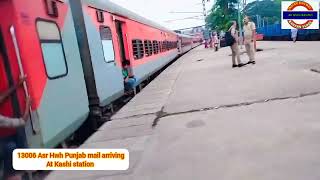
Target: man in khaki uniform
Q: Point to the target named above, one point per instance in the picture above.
(249, 30)
(234, 47)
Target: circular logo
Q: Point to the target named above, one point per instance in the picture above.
(305, 24)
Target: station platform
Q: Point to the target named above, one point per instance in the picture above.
(202, 119)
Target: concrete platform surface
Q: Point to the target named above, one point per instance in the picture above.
(202, 119)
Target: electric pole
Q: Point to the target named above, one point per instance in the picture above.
(239, 23)
(204, 8)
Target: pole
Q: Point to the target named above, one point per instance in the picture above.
(204, 8)
(206, 29)
(240, 27)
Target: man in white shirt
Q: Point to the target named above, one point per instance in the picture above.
(249, 30)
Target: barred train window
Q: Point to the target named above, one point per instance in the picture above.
(148, 47)
(168, 45)
(164, 46)
(107, 44)
(52, 49)
(160, 44)
(137, 49)
(155, 47)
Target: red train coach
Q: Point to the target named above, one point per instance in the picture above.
(38, 39)
(109, 35)
(72, 53)
(186, 43)
(147, 45)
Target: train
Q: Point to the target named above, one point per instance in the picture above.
(274, 32)
(72, 53)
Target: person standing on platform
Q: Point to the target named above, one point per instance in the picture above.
(232, 39)
(249, 31)
(215, 41)
(8, 142)
(294, 34)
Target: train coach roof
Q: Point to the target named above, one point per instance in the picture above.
(113, 8)
(185, 35)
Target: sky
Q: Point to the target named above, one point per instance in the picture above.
(160, 11)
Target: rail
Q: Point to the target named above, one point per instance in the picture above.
(17, 51)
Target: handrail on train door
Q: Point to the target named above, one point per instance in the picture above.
(22, 74)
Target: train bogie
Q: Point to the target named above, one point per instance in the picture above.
(103, 47)
(73, 54)
(43, 46)
(146, 45)
(275, 33)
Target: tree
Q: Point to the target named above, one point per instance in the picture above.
(268, 10)
(222, 12)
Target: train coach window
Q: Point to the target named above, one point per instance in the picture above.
(168, 45)
(160, 44)
(173, 45)
(155, 47)
(52, 49)
(164, 46)
(107, 44)
(137, 47)
(148, 47)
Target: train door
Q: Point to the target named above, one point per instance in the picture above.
(9, 107)
(53, 68)
(121, 39)
(9, 74)
(180, 45)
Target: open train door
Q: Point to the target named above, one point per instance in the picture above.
(8, 78)
(10, 70)
(179, 45)
(122, 40)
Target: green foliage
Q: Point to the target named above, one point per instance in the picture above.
(269, 10)
(222, 12)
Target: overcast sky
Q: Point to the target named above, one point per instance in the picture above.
(159, 11)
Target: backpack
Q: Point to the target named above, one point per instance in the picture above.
(229, 39)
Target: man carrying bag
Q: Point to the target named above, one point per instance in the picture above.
(231, 38)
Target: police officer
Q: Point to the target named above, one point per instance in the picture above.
(249, 30)
(234, 47)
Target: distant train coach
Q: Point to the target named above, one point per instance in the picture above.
(73, 53)
(275, 33)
